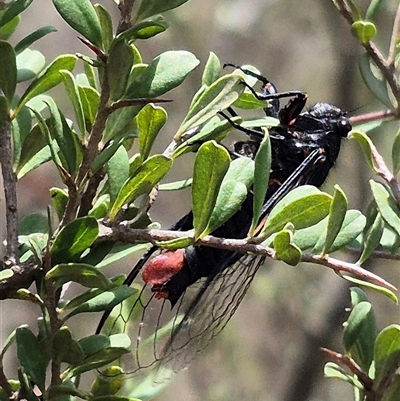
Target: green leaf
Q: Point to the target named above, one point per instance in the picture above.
(152, 7)
(314, 236)
(285, 249)
(382, 290)
(33, 223)
(26, 386)
(104, 301)
(220, 95)
(118, 172)
(21, 127)
(81, 16)
(211, 70)
(8, 70)
(102, 358)
(52, 144)
(373, 9)
(357, 295)
(107, 153)
(35, 151)
(71, 152)
(7, 30)
(334, 371)
(73, 239)
(119, 64)
(121, 252)
(337, 214)
(303, 207)
(165, 72)
(230, 197)
(48, 79)
(377, 86)
(91, 345)
(214, 129)
(33, 37)
(8, 342)
(15, 8)
(261, 179)
(31, 357)
(108, 382)
(84, 274)
(106, 26)
(6, 274)
(29, 64)
(247, 101)
(150, 121)
(147, 176)
(65, 391)
(145, 29)
(65, 348)
(211, 164)
(359, 334)
(366, 146)
(353, 225)
(387, 352)
(364, 31)
(372, 238)
(73, 95)
(59, 199)
(90, 100)
(387, 206)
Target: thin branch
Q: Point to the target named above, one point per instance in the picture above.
(91, 192)
(339, 266)
(366, 381)
(50, 302)
(91, 151)
(128, 235)
(125, 7)
(374, 116)
(23, 276)
(10, 192)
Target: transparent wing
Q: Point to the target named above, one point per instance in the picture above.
(165, 340)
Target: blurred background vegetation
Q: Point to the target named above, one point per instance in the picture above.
(270, 349)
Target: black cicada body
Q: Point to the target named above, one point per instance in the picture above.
(189, 295)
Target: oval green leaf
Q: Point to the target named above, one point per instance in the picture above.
(387, 352)
(81, 273)
(212, 70)
(359, 334)
(8, 70)
(81, 16)
(48, 79)
(165, 72)
(150, 121)
(73, 239)
(337, 214)
(146, 177)
(387, 206)
(211, 164)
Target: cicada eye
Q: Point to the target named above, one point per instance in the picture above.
(344, 126)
